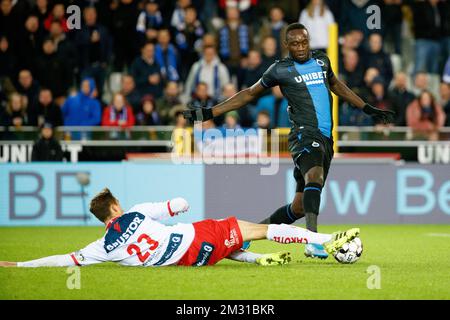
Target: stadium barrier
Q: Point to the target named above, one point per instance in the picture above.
(112, 144)
(355, 193)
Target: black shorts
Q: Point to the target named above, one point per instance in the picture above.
(309, 149)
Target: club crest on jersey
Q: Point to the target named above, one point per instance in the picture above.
(234, 239)
(320, 62)
(312, 78)
(128, 225)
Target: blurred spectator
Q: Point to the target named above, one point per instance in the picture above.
(421, 83)
(269, 52)
(148, 116)
(444, 8)
(47, 148)
(208, 69)
(10, 21)
(145, 71)
(118, 114)
(352, 72)
(201, 97)
(65, 48)
(428, 33)
(189, 40)
(178, 15)
(392, 17)
(232, 120)
(16, 111)
(317, 18)
(234, 41)
(444, 91)
(351, 40)
(7, 59)
(401, 98)
(228, 91)
(130, 92)
(208, 40)
(275, 27)
(82, 109)
(29, 45)
(52, 71)
(446, 72)
(6, 88)
(29, 88)
(245, 7)
(169, 100)
(94, 45)
(253, 71)
(378, 97)
(58, 14)
(48, 111)
(276, 105)
(369, 76)
(377, 58)
(425, 116)
(180, 121)
(263, 120)
(166, 56)
(149, 22)
(40, 10)
(124, 15)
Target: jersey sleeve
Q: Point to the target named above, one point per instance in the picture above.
(330, 73)
(154, 210)
(93, 253)
(270, 79)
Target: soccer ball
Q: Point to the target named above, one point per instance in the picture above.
(350, 251)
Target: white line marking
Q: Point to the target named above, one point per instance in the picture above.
(447, 235)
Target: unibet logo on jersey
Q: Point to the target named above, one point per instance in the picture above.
(312, 78)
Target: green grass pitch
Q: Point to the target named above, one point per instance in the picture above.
(414, 263)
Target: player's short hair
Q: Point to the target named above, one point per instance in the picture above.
(100, 205)
(294, 26)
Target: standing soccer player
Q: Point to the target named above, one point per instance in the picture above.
(306, 79)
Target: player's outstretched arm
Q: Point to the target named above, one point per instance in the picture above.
(237, 101)
(52, 261)
(162, 210)
(340, 89)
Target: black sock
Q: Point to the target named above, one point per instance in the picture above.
(311, 203)
(281, 215)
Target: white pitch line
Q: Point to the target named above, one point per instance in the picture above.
(446, 235)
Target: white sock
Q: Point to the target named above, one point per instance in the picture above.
(285, 233)
(244, 256)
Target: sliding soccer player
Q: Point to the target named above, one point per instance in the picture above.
(136, 238)
(306, 79)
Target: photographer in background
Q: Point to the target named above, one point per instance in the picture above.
(47, 148)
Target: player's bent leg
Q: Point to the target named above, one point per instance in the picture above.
(252, 231)
(286, 214)
(311, 196)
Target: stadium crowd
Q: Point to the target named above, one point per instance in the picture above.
(139, 62)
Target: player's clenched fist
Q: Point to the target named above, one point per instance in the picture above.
(177, 205)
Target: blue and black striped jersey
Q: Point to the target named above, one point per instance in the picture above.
(306, 87)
